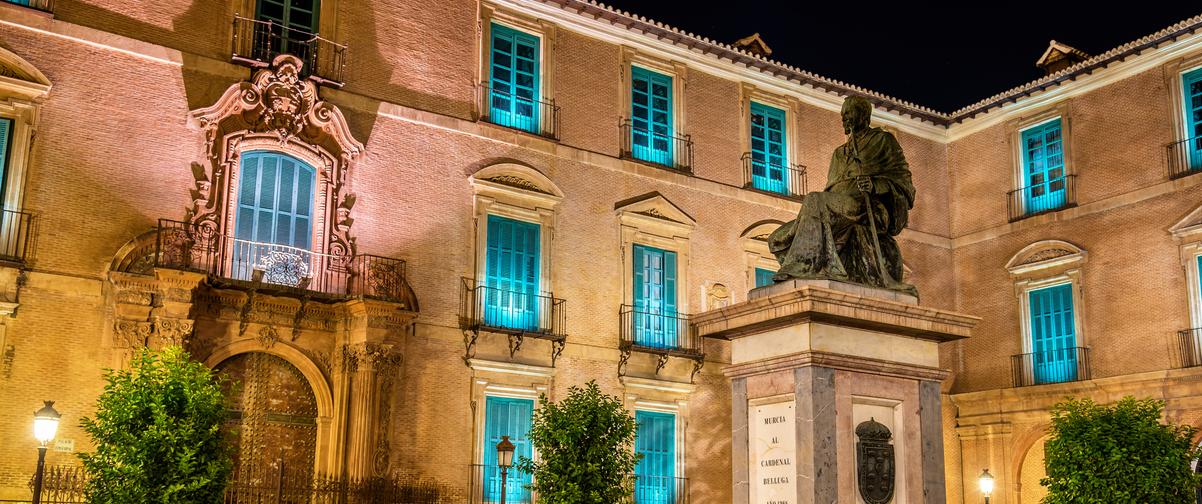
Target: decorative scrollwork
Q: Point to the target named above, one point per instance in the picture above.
(556, 349)
(623, 359)
(661, 361)
(284, 267)
(469, 345)
(385, 279)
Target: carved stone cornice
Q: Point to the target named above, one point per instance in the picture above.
(156, 333)
(379, 357)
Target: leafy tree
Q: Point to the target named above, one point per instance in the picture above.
(586, 446)
(1119, 453)
(158, 433)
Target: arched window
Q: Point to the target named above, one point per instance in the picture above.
(273, 226)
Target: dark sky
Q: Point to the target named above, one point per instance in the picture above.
(940, 56)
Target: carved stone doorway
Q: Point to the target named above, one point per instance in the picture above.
(273, 416)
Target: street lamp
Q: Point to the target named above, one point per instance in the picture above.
(45, 425)
(985, 481)
(504, 459)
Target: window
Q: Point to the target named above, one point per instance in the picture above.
(1192, 87)
(655, 474)
(514, 76)
(273, 223)
(1053, 334)
(768, 149)
(6, 126)
(294, 24)
(1043, 168)
(763, 277)
(656, 320)
(504, 416)
(511, 285)
(652, 137)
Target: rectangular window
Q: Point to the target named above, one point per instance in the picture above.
(6, 135)
(655, 474)
(652, 138)
(511, 285)
(293, 25)
(1192, 87)
(513, 88)
(768, 149)
(1053, 334)
(504, 416)
(655, 318)
(763, 277)
(1043, 167)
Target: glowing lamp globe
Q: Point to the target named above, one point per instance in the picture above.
(45, 423)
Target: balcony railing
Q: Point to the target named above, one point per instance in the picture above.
(1189, 346)
(42, 5)
(16, 233)
(503, 108)
(256, 43)
(1054, 194)
(660, 490)
(511, 311)
(675, 152)
(1050, 366)
(268, 266)
(658, 333)
(1185, 157)
(773, 178)
(485, 487)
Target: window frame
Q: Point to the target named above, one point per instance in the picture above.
(1024, 181)
(676, 70)
(527, 196)
(541, 29)
(539, 72)
(1048, 263)
(638, 226)
(1017, 127)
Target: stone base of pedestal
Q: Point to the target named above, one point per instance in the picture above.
(811, 361)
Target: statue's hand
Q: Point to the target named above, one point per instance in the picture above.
(864, 183)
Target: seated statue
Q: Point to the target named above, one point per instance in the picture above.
(846, 232)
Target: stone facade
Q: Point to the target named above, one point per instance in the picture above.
(123, 115)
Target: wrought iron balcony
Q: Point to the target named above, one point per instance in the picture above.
(42, 5)
(1189, 346)
(485, 487)
(16, 233)
(661, 334)
(516, 313)
(660, 490)
(1050, 196)
(1050, 366)
(503, 108)
(650, 146)
(256, 43)
(780, 180)
(289, 270)
(1185, 157)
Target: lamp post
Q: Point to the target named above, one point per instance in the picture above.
(45, 425)
(504, 459)
(985, 481)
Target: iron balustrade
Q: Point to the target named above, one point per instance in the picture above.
(500, 107)
(42, 5)
(1057, 365)
(184, 246)
(1184, 157)
(774, 178)
(1050, 196)
(660, 490)
(511, 311)
(256, 43)
(651, 331)
(485, 486)
(670, 151)
(16, 233)
(1189, 346)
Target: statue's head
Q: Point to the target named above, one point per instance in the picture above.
(857, 112)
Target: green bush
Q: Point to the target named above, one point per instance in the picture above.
(1119, 453)
(158, 433)
(586, 447)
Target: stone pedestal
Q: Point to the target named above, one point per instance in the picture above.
(811, 361)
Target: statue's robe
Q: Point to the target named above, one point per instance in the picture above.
(831, 238)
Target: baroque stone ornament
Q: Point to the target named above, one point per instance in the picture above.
(875, 466)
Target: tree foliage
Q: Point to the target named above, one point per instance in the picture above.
(158, 433)
(1119, 453)
(586, 449)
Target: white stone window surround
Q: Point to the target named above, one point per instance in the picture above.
(22, 90)
(1188, 234)
(321, 182)
(676, 70)
(654, 221)
(503, 379)
(1044, 264)
(541, 28)
(754, 241)
(749, 93)
(662, 396)
(1174, 72)
(521, 193)
(1015, 136)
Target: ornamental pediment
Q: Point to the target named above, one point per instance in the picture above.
(654, 206)
(1045, 255)
(524, 185)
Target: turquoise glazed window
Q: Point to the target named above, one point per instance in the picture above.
(655, 474)
(1192, 84)
(1043, 166)
(768, 149)
(513, 94)
(655, 297)
(512, 274)
(504, 416)
(652, 138)
(763, 277)
(6, 136)
(1053, 334)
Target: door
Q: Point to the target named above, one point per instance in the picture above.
(514, 95)
(768, 149)
(1192, 83)
(504, 416)
(651, 116)
(655, 318)
(273, 224)
(1053, 338)
(655, 474)
(511, 286)
(1044, 161)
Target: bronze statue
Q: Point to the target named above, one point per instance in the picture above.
(846, 232)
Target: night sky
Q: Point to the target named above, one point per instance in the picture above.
(942, 57)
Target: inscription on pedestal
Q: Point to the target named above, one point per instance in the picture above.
(774, 453)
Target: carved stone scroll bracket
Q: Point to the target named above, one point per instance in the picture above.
(515, 343)
(470, 336)
(557, 347)
(623, 360)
